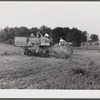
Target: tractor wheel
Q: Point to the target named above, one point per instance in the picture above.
(46, 54)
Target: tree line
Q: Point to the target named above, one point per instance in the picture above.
(73, 35)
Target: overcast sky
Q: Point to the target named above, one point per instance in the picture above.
(82, 15)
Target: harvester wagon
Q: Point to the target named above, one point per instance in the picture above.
(38, 45)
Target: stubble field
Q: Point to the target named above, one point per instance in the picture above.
(17, 71)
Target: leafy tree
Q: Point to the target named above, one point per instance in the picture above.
(70, 35)
(94, 37)
(76, 36)
(84, 36)
(44, 29)
(67, 34)
(57, 33)
(24, 31)
(34, 30)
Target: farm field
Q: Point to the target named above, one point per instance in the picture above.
(17, 71)
(89, 47)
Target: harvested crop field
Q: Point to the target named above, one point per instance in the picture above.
(17, 71)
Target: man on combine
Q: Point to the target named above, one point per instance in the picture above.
(62, 41)
(46, 35)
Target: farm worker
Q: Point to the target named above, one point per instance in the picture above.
(46, 35)
(61, 41)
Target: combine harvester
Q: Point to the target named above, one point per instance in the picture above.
(40, 45)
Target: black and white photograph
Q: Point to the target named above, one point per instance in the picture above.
(49, 45)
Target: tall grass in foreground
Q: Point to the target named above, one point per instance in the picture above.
(83, 78)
